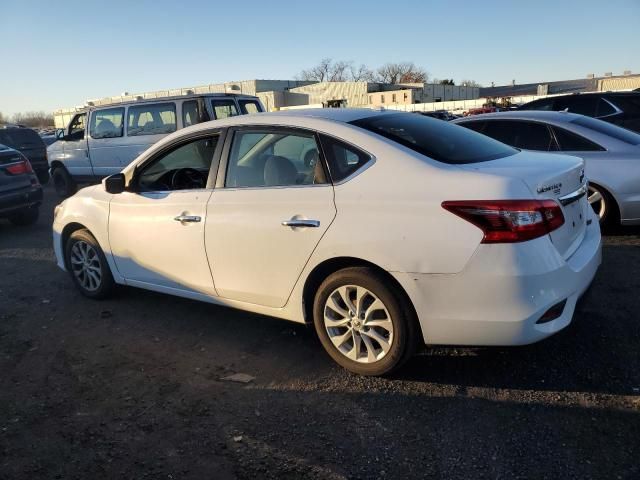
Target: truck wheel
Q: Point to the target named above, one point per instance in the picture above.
(27, 216)
(63, 182)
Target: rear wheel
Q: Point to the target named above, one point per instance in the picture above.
(363, 323)
(63, 182)
(88, 266)
(27, 216)
(603, 205)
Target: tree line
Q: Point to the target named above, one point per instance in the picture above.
(29, 119)
(329, 70)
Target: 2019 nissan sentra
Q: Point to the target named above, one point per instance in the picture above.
(385, 230)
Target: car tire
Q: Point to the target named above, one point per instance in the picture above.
(25, 217)
(88, 265)
(380, 340)
(603, 205)
(43, 176)
(64, 184)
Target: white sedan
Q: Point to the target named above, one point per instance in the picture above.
(386, 230)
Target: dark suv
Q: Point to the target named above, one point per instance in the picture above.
(29, 143)
(619, 108)
(20, 192)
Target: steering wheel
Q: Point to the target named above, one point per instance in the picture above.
(187, 178)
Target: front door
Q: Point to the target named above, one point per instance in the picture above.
(165, 212)
(75, 152)
(267, 215)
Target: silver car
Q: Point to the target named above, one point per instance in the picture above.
(611, 153)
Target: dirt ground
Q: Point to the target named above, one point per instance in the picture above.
(132, 388)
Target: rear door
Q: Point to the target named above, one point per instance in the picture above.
(271, 206)
(146, 124)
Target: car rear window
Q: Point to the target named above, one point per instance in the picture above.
(619, 133)
(20, 138)
(441, 141)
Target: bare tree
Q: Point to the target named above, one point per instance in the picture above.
(361, 74)
(327, 71)
(402, 72)
(469, 83)
(33, 119)
(2, 120)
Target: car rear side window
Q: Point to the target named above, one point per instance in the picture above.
(521, 134)
(475, 126)
(343, 159)
(441, 141)
(151, 119)
(581, 104)
(619, 133)
(107, 123)
(571, 142)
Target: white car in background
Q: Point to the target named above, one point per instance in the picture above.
(399, 230)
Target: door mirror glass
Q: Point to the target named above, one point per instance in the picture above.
(115, 183)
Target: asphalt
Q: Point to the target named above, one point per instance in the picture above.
(133, 387)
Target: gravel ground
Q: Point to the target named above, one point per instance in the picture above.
(133, 387)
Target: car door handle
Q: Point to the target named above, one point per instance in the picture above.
(187, 218)
(301, 223)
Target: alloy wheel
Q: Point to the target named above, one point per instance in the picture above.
(358, 324)
(597, 201)
(86, 266)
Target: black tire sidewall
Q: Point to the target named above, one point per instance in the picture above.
(402, 346)
(63, 183)
(107, 283)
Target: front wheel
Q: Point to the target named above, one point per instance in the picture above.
(363, 323)
(88, 266)
(63, 182)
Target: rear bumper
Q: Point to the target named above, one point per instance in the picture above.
(16, 200)
(503, 291)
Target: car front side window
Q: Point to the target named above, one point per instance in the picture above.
(270, 158)
(185, 167)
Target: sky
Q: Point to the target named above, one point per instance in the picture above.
(59, 54)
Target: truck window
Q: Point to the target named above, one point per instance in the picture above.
(249, 106)
(107, 123)
(151, 119)
(190, 113)
(224, 108)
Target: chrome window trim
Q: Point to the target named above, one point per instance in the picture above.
(617, 110)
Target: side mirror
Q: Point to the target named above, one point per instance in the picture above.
(115, 184)
(60, 134)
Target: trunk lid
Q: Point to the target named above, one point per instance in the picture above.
(549, 176)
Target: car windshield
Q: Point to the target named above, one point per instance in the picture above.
(619, 133)
(442, 141)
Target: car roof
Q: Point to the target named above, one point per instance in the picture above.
(541, 115)
(344, 115)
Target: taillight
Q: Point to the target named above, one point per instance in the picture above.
(509, 221)
(24, 166)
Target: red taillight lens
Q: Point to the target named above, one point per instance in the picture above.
(20, 168)
(509, 221)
